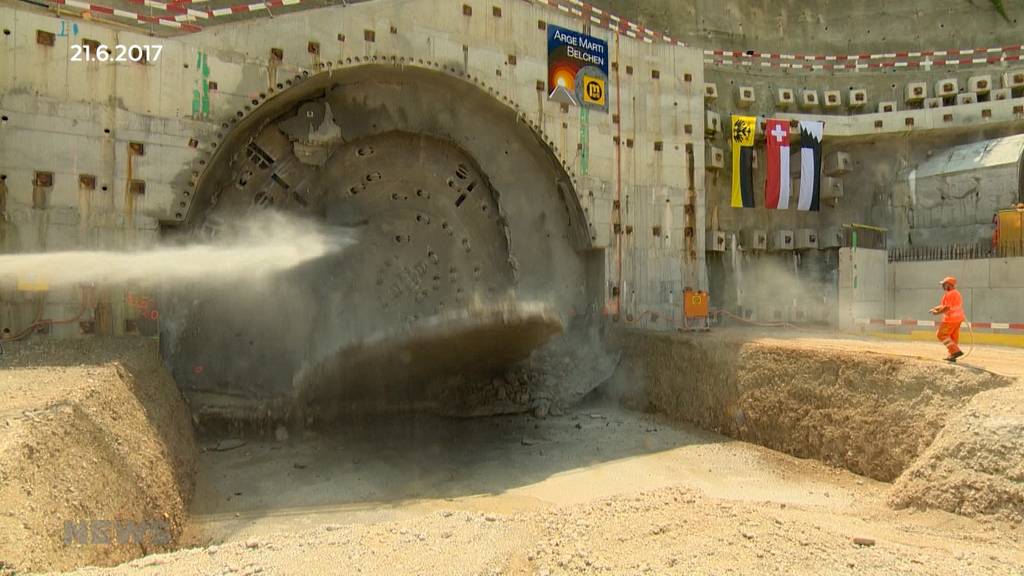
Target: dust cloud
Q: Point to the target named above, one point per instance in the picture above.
(255, 247)
(781, 288)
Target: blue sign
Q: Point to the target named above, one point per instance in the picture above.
(577, 69)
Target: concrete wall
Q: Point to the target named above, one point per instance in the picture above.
(792, 286)
(993, 289)
(881, 145)
(881, 156)
(76, 119)
(862, 275)
(870, 287)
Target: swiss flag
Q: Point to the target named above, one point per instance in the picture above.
(777, 184)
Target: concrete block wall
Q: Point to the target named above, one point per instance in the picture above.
(921, 42)
(862, 277)
(881, 145)
(993, 289)
(870, 287)
(75, 119)
(878, 86)
(798, 286)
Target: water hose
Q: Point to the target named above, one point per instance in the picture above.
(31, 328)
(721, 311)
(712, 313)
(970, 327)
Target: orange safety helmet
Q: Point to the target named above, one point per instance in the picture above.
(949, 280)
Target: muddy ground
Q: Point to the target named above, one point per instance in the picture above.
(600, 489)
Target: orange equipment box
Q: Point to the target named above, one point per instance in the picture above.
(695, 304)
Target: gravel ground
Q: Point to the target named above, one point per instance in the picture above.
(976, 464)
(90, 430)
(669, 531)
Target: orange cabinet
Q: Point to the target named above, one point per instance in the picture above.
(695, 304)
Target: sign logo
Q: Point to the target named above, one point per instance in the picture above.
(593, 91)
(577, 69)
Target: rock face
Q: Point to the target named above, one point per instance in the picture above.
(97, 450)
(976, 464)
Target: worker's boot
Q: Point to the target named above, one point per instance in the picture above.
(955, 355)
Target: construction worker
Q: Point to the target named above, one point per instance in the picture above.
(952, 309)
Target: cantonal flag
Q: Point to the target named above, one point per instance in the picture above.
(811, 133)
(743, 128)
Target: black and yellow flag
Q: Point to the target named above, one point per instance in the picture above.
(743, 128)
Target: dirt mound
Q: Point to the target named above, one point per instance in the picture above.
(471, 341)
(976, 464)
(96, 445)
(870, 413)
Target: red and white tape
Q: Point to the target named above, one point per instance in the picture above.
(185, 11)
(594, 15)
(889, 322)
(814, 62)
(840, 63)
(182, 13)
(127, 14)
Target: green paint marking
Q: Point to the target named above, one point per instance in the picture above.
(584, 140)
(201, 93)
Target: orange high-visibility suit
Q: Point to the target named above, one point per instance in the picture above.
(949, 329)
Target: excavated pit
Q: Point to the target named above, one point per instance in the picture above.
(96, 430)
(872, 414)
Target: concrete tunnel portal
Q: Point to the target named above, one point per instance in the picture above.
(472, 252)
